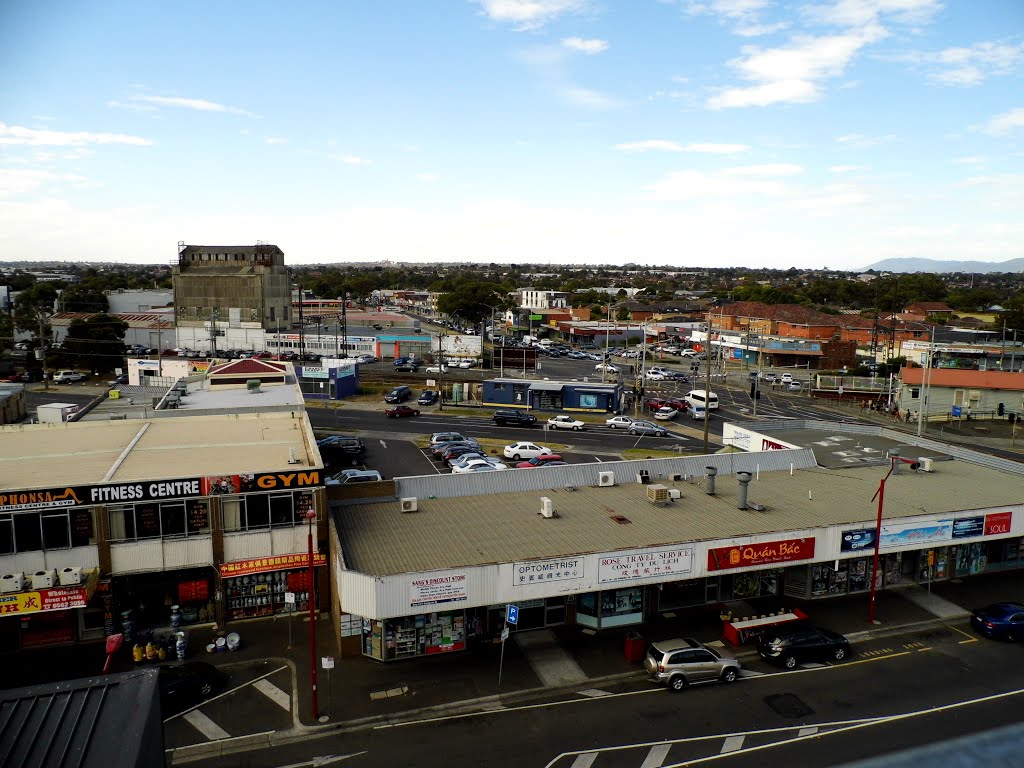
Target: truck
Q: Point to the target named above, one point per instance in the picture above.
(55, 413)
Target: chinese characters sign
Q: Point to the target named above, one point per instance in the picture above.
(547, 571)
(746, 555)
(56, 599)
(644, 564)
(275, 563)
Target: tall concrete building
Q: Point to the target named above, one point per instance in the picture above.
(227, 296)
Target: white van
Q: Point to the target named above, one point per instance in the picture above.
(699, 398)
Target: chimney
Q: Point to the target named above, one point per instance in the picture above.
(712, 471)
(744, 480)
(894, 459)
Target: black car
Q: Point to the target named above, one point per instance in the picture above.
(791, 644)
(183, 686)
(343, 451)
(514, 418)
(427, 397)
(455, 451)
(439, 449)
(409, 366)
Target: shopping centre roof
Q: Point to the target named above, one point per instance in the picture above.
(85, 453)
(380, 539)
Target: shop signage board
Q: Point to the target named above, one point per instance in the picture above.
(644, 564)
(762, 553)
(275, 563)
(547, 571)
(86, 495)
(432, 590)
(901, 534)
(998, 523)
(965, 527)
(54, 599)
(857, 540)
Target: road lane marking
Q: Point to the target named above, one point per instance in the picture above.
(809, 731)
(205, 725)
(656, 757)
(585, 760)
(275, 694)
(227, 693)
(732, 743)
(970, 638)
(322, 760)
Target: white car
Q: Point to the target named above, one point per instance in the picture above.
(436, 369)
(666, 413)
(787, 378)
(655, 376)
(467, 364)
(477, 465)
(688, 353)
(606, 367)
(619, 422)
(565, 422)
(795, 386)
(525, 450)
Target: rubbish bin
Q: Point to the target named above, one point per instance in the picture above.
(634, 647)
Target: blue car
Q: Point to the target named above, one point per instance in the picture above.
(1001, 621)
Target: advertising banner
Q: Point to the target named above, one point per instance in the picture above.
(547, 571)
(857, 540)
(53, 599)
(965, 527)
(909, 534)
(746, 555)
(998, 523)
(644, 564)
(275, 563)
(438, 589)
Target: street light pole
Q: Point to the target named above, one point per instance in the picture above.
(440, 370)
(880, 495)
(311, 517)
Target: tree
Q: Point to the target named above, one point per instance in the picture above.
(471, 301)
(96, 343)
(33, 306)
(81, 298)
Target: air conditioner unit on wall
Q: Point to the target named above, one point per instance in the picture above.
(12, 582)
(409, 504)
(71, 576)
(605, 479)
(44, 579)
(926, 464)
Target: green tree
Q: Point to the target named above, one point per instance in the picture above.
(471, 301)
(96, 343)
(82, 298)
(33, 306)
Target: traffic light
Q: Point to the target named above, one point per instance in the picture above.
(1002, 409)
(752, 390)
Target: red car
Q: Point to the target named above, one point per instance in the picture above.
(399, 411)
(540, 461)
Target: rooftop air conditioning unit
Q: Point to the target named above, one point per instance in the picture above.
(926, 464)
(44, 579)
(12, 582)
(605, 479)
(675, 493)
(657, 494)
(643, 477)
(409, 504)
(547, 507)
(70, 576)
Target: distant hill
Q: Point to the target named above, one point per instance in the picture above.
(931, 265)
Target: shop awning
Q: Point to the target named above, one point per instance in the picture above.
(275, 563)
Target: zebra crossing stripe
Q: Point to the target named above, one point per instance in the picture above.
(809, 731)
(274, 693)
(205, 725)
(732, 744)
(585, 760)
(656, 757)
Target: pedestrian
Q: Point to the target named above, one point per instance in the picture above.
(908, 416)
(968, 413)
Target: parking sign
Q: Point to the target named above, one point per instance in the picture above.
(512, 614)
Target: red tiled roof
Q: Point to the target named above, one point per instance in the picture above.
(956, 377)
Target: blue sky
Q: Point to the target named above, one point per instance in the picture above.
(687, 133)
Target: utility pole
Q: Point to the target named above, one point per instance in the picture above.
(440, 370)
(707, 384)
(42, 347)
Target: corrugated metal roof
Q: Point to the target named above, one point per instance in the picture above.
(379, 539)
(956, 377)
(547, 386)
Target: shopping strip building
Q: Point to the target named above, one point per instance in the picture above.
(430, 566)
(194, 507)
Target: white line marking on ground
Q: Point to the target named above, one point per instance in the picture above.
(810, 730)
(275, 694)
(656, 757)
(226, 693)
(585, 760)
(594, 692)
(316, 762)
(732, 743)
(205, 725)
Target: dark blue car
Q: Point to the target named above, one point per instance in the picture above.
(1002, 621)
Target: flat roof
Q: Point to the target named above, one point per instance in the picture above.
(379, 539)
(85, 453)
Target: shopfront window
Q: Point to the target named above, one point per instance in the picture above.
(56, 531)
(254, 511)
(170, 519)
(419, 635)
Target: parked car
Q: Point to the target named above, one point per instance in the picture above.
(655, 376)
(679, 663)
(1001, 621)
(465, 458)
(647, 428)
(435, 369)
(445, 437)
(688, 353)
(398, 395)
(441, 449)
(795, 386)
(459, 449)
(350, 451)
(427, 397)
(477, 465)
(400, 412)
(183, 686)
(619, 422)
(768, 376)
(69, 377)
(409, 366)
(332, 439)
(514, 418)
(791, 644)
(665, 413)
(787, 378)
(697, 412)
(608, 367)
(525, 450)
(348, 476)
(121, 378)
(540, 461)
(566, 422)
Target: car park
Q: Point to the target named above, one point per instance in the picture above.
(1000, 621)
(525, 450)
(184, 686)
(350, 476)
(398, 395)
(540, 461)
(791, 644)
(682, 662)
(665, 413)
(647, 428)
(427, 397)
(477, 465)
(400, 412)
(505, 418)
(566, 422)
(619, 422)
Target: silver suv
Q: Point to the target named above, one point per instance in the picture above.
(678, 663)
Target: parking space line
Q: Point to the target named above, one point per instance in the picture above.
(205, 725)
(275, 694)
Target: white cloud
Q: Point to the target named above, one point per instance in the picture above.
(860, 141)
(844, 168)
(131, 106)
(529, 14)
(1000, 125)
(351, 159)
(276, 140)
(19, 181)
(587, 97)
(16, 134)
(697, 185)
(658, 145)
(585, 46)
(752, 29)
(783, 91)
(718, 149)
(767, 169)
(851, 13)
(199, 105)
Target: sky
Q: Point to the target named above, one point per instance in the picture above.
(718, 133)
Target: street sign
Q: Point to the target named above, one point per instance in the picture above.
(289, 597)
(956, 411)
(327, 662)
(504, 634)
(512, 614)
(536, 317)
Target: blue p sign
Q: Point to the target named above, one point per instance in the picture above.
(512, 614)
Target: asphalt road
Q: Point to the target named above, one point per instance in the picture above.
(896, 692)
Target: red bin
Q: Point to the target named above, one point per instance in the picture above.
(634, 647)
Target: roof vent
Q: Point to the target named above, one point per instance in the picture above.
(712, 471)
